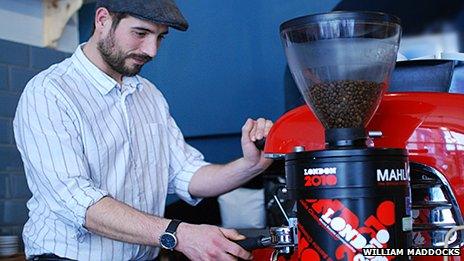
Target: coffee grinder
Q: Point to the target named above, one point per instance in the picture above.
(350, 195)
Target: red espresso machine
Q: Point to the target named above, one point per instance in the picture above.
(431, 127)
(363, 175)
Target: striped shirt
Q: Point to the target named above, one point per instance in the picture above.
(83, 136)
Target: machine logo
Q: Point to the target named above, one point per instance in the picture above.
(320, 171)
(345, 227)
(392, 175)
(315, 177)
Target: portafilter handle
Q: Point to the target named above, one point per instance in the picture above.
(281, 238)
(252, 243)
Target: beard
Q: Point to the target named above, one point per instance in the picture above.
(116, 58)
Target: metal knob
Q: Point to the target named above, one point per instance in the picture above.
(298, 149)
(375, 134)
(281, 235)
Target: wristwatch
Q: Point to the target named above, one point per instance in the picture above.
(168, 239)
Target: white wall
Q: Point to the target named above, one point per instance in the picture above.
(21, 21)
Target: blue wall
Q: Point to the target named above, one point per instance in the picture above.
(18, 64)
(229, 65)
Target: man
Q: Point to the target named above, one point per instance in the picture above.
(101, 150)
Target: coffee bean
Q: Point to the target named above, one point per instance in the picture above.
(345, 103)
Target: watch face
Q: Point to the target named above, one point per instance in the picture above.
(168, 241)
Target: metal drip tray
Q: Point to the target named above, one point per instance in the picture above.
(429, 192)
(434, 208)
(436, 216)
(437, 237)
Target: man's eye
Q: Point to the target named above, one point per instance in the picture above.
(140, 34)
(161, 36)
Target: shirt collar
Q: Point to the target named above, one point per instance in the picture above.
(102, 81)
(132, 82)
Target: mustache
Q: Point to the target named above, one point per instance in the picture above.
(143, 57)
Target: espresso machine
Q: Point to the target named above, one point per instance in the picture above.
(365, 169)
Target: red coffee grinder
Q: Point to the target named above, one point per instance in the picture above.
(350, 195)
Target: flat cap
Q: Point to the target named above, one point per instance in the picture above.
(157, 11)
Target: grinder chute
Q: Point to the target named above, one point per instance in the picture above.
(341, 63)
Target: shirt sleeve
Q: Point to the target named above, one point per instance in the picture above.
(48, 138)
(185, 160)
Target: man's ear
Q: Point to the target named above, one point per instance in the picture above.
(102, 19)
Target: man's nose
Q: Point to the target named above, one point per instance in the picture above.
(150, 47)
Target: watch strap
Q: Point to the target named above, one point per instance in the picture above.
(172, 227)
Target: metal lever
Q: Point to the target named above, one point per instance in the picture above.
(281, 209)
(260, 143)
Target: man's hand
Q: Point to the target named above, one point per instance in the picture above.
(205, 242)
(212, 180)
(251, 132)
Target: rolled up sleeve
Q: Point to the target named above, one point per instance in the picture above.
(48, 138)
(185, 161)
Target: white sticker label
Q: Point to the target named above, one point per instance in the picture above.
(407, 224)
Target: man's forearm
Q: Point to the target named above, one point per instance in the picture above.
(111, 218)
(213, 180)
